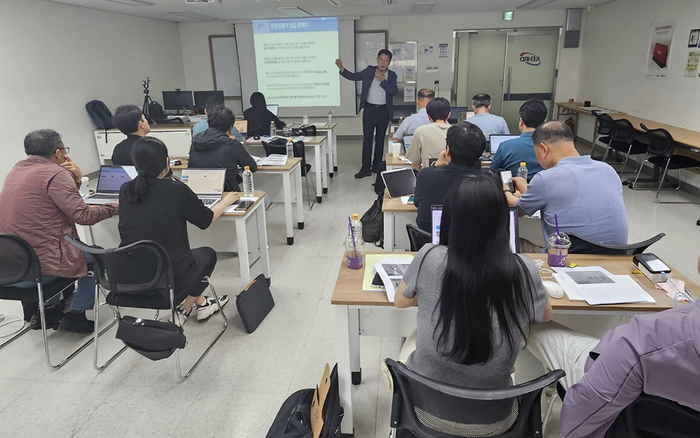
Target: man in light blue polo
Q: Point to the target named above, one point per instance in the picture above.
(409, 125)
(211, 103)
(487, 122)
(513, 152)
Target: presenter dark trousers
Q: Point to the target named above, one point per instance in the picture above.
(374, 117)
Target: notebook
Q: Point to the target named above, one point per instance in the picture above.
(436, 218)
(207, 184)
(400, 182)
(109, 182)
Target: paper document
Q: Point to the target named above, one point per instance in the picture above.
(370, 271)
(598, 109)
(407, 200)
(391, 272)
(596, 286)
(272, 160)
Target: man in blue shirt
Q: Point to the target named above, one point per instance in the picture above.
(513, 152)
(586, 195)
(409, 125)
(378, 90)
(489, 123)
(211, 103)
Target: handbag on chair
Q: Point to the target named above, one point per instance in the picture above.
(155, 340)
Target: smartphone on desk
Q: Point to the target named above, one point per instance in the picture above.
(243, 205)
(507, 178)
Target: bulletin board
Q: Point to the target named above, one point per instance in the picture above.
(224, 64)
(367, 44)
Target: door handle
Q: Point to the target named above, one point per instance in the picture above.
(510, 81)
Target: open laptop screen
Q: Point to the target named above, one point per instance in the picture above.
(205, 182)
(273, 108)
(399, 182)
(112, 177)
(495, 141)
(436, 218)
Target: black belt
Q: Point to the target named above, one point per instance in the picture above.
(376, 106)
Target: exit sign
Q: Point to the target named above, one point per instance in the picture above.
(507, 15)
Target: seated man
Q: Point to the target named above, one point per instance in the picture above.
(429, 140)
(202, 126)
(585, 195)
(214, 148)
(40, 203)
(465, 144)
(513, 152)
(655, 354)
(489, 123)
(409, 125)
(132, 123)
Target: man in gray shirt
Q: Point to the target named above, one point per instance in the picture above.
(585, 195)
(489, 123)
(409, 125)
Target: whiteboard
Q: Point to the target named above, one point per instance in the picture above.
(367, 44)
(224, 64)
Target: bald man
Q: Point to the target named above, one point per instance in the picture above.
(585, 195)
(409, 125)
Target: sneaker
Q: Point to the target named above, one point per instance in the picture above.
(363, 173)
(76, 323)
(181, 316)
(210, 307)
(53, 319)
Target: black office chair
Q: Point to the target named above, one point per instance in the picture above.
(19, 262)
(422, 407)
(605, 127)
(299, 151)
(417, 237)
(139, 276)
(623, 138)
(655, 417)
(581, 246)
(661, 148)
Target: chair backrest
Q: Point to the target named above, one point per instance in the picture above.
(417, 237)
(431, 409)
(18, 261)
(651, 416)
(623, 131)
(605, 123)
(299, 151)
(309, 130)
(581, 246)
(660, 141)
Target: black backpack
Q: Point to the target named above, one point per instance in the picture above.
(99, 113)
(373, 223)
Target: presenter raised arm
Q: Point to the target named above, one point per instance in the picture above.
(378, 90)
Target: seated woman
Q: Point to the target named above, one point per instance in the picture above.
(155, 207)
(259, 117)
(476, 299)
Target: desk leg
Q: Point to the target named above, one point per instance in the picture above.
(318, 172)
(262, 242)
(335, 150)
(324, 159)
(287, 188)
(300, 198)
(329, 152)
(243, 258)
(354, 330)
(343, 348)
(388, 231)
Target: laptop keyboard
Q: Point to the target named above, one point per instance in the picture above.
(208, 201)
(104, 196)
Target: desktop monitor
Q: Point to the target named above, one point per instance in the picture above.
(514, 241)
(495, 141)
(177, 100)
(460, 114)
(273, 108)
(200, 99)
(402, 111)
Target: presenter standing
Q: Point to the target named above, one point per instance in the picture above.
(378, 89)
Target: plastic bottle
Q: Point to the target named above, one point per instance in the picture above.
(522, 170)
(290, 149)
(330, 117)
(84, 189)
(354, 245)
(273, 129)
(248, 187)
(305, 120)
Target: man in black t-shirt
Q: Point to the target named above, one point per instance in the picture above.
(465, 144)
(130, 121)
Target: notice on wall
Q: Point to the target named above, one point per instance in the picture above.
(409, 74)
(694, 38)
(691, 67)
(659, 50)
(426, 49)
(409, 93)
(442, 52)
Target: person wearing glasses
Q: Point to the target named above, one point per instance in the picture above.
(40, 203)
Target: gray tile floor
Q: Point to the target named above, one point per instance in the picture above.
(239, 387)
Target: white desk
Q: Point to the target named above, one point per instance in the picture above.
(391, 208)
(329, 131)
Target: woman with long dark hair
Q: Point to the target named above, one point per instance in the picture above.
(156, 207)
(259, 117)
(476, 299)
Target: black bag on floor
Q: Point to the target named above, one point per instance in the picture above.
(373, 223)
(155, 340)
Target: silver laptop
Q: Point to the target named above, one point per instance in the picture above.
(514, 232)
(109, 182)
(207, 184)
(495, 141)
(399, 182)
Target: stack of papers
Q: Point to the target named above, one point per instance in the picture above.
(272, 160)
(596, 285)
(391, 271)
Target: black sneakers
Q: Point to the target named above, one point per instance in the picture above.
(363, 173)
(76, 323)
(53, 319)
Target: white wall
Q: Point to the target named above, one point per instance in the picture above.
(57, 57)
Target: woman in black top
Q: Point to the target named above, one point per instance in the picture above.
(259, 117)
(155, 207)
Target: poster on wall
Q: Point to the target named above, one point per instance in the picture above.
(659, 50)
(694, 38)
(691, 67)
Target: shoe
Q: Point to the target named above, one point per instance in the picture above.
(76, 323)
(363, 173)
(181, 316)
(53, 319)
(210, 307)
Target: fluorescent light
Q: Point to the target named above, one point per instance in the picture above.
(192, 15)
(133, 2)
(422, 8)
(535, 4)
(294, 11)
(334, 3)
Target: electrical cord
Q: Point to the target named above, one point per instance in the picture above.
(546, 274)
(6, 320)
(685, 294)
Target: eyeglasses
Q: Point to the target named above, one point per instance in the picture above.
(66, 148)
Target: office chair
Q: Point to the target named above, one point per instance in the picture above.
(417, 237)
(19, 262)
(605, 127)
(623, 139)
(299, 151)
(422, 407)
(661, 148)
(139, 276)
(581, 246)
(655, 417)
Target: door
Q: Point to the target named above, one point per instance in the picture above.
(487, 52)
(530, 71)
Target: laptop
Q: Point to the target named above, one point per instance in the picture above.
(109, 182)
(495, 141)
(436, 218)
(407, 142)
(399, 182)
(273, 108)
(207, 184)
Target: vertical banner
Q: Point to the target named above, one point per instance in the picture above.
(659, 50)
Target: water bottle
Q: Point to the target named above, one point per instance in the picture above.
(273, 129)
(290, 149)
(248, 188)
(286, 131)
(354, 245)
(305, 120)
(330, 117)
(84, 189)
(522, 170)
